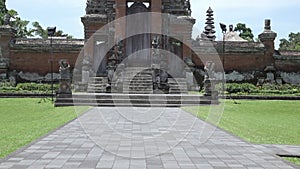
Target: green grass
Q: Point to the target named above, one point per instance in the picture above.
(264, 122)
(294, 160)
(25, 120)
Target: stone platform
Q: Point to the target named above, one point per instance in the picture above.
(133, 100)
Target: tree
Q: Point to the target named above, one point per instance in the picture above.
(21, 26)
(38, 30)
(245, 33)
(293, 43)
(3, 11)
(15, 21)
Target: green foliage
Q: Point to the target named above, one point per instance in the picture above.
(39, 31)
(3, 11)
(293, 43)
(34, 88)
(294, 160)
(266, 89)
(240, 88)
(21, 27)
(25, 120)
(245, 33)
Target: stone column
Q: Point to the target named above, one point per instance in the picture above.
(156, 19)
(6, 35)
(267, 38)
(120, 25)
(187, 37)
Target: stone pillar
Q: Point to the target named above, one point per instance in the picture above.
(6, 35)
(120, 26)
(156, 18)
(267, 38)
(187, 38)
(86, 67)
(92, 23)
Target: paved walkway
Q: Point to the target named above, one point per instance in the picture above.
(143, 138)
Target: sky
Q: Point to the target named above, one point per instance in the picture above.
(65, 14)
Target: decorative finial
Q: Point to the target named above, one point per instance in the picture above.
(267, 25)
(209, 28)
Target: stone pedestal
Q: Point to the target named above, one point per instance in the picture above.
(190, 79)
(210, 89)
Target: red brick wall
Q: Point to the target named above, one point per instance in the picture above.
(242, 62)
(39, 62)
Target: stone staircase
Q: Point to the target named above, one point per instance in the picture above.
(97, 85)
(138, 81)
(177, 86)
(137, 91)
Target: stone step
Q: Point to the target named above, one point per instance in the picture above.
(138, 81)
(135, 100)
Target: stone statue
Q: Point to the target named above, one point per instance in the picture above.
(209, 80)
(209, 67)
(120, 53)
(65, 77)
(163, 76)
(187, 7)
(155, 42)
(7, 18)
(155, 51)
(177, 3)
(189, 62)
(86, 61)
(95, 6)
(64, 69)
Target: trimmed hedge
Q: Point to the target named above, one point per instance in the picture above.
(266, 89)
(27, 88)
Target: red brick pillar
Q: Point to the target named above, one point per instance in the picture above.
(6, 35)
(156, 19)
(267, 38)
(120, 25)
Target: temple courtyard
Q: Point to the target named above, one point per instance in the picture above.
(131, 137)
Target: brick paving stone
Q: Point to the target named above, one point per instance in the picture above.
(143, 138)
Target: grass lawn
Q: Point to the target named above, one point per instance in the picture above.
(263, 122)
(25, 120)
(294, 160)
